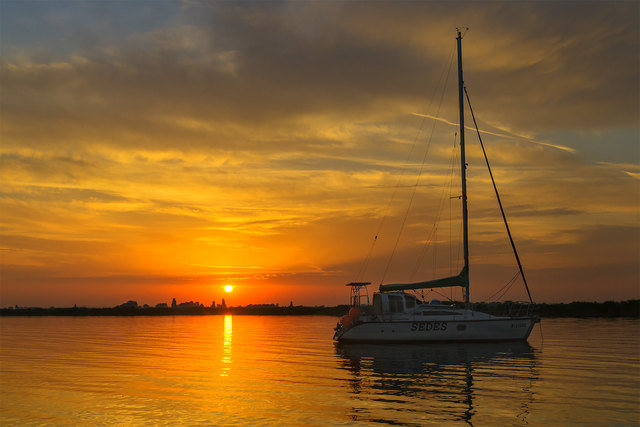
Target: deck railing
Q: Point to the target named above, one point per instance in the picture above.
(518, 309)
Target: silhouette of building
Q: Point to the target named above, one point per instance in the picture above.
(173, 303)
(224, 304)
(162, 305)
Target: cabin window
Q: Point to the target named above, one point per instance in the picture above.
(409, 301)
(377, 304)
(396, 304)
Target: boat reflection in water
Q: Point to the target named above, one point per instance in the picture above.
(418, 384)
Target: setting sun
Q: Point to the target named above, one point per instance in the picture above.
(228, 288)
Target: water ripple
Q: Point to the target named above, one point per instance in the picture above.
(261, 370)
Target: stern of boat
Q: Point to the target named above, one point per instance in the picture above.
(347, 322)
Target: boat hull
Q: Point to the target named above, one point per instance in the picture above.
(496, 329)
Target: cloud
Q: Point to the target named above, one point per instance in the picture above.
(257, 68)
(272, 134)
(505, 133)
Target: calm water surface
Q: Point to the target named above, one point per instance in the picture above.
(270, 370)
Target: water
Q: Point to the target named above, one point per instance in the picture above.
(270, 370)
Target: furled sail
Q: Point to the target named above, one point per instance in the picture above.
(461, 279)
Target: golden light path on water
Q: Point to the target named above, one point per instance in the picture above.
(226, 349)
(285, 370)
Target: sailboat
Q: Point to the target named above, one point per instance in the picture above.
(397, 316)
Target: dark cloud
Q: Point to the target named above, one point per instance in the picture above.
(268, 65)
(551, 64)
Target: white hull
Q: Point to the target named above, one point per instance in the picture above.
(439, 330)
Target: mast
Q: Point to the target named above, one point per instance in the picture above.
(463, 167)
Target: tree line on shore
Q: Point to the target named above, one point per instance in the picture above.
(610, 309)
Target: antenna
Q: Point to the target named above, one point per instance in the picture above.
(461, 29)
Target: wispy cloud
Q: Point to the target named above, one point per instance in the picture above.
(505, 134)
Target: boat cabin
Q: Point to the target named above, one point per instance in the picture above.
(394, 302)
(399, 302)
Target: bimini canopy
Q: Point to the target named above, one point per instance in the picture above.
(461, 279)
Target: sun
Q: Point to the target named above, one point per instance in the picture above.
(228, 288)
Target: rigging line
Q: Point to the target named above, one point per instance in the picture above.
(450, 243)
(435, 253)
(424, 159)
(365, 264)
(459, 233)
(513, 245)
(451, 173)
(505, 286)
(397, 186)
(431, 237)
(510, 282)
(505, 291)
(459, 230)
(442, 295)
(450, 236)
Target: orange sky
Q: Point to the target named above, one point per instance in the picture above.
(165, 149)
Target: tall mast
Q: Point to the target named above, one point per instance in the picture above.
(463, 168)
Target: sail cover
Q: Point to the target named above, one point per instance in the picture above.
(461, 279)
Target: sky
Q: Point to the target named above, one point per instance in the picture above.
(152, 150)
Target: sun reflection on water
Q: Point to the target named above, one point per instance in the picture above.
(226, 345)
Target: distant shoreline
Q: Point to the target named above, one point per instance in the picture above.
(609, 309)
